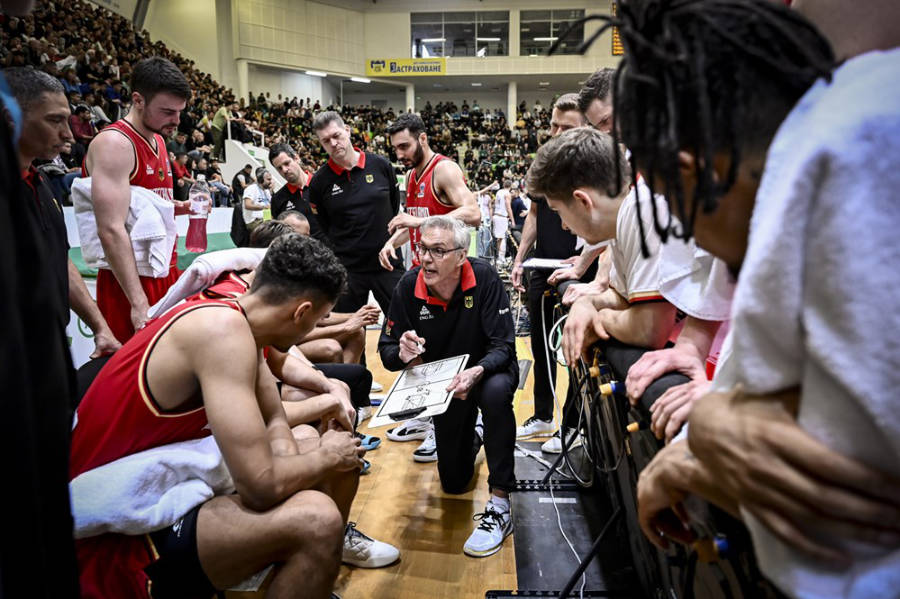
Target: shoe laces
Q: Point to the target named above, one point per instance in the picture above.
(531, 420)
(490, 519)
(354, 535)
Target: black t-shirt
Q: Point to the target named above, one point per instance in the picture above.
(38, 384)
(552, 240)
(47, 213)
(354, 207)
(294, 198)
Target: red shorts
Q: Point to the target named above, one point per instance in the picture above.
(116, 308)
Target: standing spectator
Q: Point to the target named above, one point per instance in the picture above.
(241, 180)
(218, 126)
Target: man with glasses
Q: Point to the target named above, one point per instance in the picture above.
(449, 306)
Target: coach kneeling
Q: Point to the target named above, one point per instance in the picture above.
(453, 305)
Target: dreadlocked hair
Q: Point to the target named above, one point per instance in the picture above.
(711, 77)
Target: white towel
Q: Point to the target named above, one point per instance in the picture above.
(149, 490)
(816, 301)
(150, 223)
(203, 272)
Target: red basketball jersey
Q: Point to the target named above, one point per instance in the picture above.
(152, 169)
(119, 417)
(229, 285)
(422, 199)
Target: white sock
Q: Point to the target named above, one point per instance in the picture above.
(500, 503)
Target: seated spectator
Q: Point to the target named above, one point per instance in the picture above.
(82, 129)
(214, 178)
(61, 171)
(183, 176)
(176, 145)
(257, 198)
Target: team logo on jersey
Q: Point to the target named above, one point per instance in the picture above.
(370, 178)
(469, 301)
(387, 329)
(336, 190)
(161, 174)
(421, 193)
(425, 314)
(314, 209)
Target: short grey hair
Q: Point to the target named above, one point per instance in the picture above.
(460, 231)
(323, 119)
(28, 85)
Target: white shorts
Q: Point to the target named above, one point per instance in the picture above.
(501, 225)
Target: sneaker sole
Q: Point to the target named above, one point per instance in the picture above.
(491, 551)
(533, 435)
(379, 563)
(559, 451)
(372, 446)
(425, 459)
(413, 437)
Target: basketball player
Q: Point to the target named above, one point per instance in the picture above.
(132, 151)
(435, 185)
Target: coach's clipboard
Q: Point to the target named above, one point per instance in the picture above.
(419, 392)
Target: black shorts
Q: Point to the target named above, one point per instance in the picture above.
(177, 572)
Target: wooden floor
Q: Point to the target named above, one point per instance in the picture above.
(401, 502)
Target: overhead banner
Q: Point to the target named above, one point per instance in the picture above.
(406, 67)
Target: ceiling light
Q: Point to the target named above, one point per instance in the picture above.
(543, 83)
(434, 40)
(360, 80)
(317, 73)
(487, 39)
(476, 84)
(533, 55)
(545, 39)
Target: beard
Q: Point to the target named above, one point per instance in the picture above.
(418, 156)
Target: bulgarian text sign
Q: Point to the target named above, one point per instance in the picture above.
(406, 67)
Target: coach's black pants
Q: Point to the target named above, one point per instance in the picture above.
(455, 435)
(381, 283)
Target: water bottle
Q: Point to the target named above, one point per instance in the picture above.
(201, 204)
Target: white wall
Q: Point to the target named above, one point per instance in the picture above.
(289, 83)
(300, 33)
(189, 28)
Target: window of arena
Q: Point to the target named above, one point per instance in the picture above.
(469, 33)
(538, 29)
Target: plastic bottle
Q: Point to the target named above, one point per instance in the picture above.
(201, 204)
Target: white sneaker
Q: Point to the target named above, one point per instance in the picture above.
(365, 552)
(376, 387)
(427, 451)
(534, 427)
(554, 445)
(411, 430)
(486, 539)
(363, 413)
